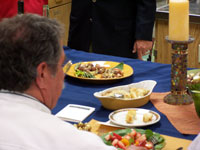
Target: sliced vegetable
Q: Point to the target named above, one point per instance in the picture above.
(133, 133)
(117, 136)
(114, 142)
(121, 145)
(141, 141)
(149, 145)
(125, 141)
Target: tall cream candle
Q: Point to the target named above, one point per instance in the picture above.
(179, 20)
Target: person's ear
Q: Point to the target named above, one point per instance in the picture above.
(42, 75)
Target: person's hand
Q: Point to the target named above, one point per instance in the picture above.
(133, 147)
(142, 47)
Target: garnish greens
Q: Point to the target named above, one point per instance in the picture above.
(120, 66)
(85, 74)
(79, 73)
(195, 86)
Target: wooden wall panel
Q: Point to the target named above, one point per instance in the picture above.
(54, 3)
(62, 14)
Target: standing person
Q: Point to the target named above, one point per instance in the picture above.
(113, 27)
(31, 81)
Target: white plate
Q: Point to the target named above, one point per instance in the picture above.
(118, 117)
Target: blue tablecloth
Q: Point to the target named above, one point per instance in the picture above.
(78, 92)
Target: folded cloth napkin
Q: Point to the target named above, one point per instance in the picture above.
(182, 117)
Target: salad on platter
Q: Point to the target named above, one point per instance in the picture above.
(124, 138)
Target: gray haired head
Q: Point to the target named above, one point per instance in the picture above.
(26, 41)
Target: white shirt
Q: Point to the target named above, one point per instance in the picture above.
(27, 124)
(195, 145)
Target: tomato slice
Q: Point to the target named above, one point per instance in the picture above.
(117, 136)
(149, 145)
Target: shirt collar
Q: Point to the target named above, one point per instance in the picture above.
(26, 99)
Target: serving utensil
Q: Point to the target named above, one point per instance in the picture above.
(67, 66)
(153, 140)
(118, 95)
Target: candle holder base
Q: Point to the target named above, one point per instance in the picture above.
(178, 99)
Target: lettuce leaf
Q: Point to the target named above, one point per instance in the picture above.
(120, 66)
